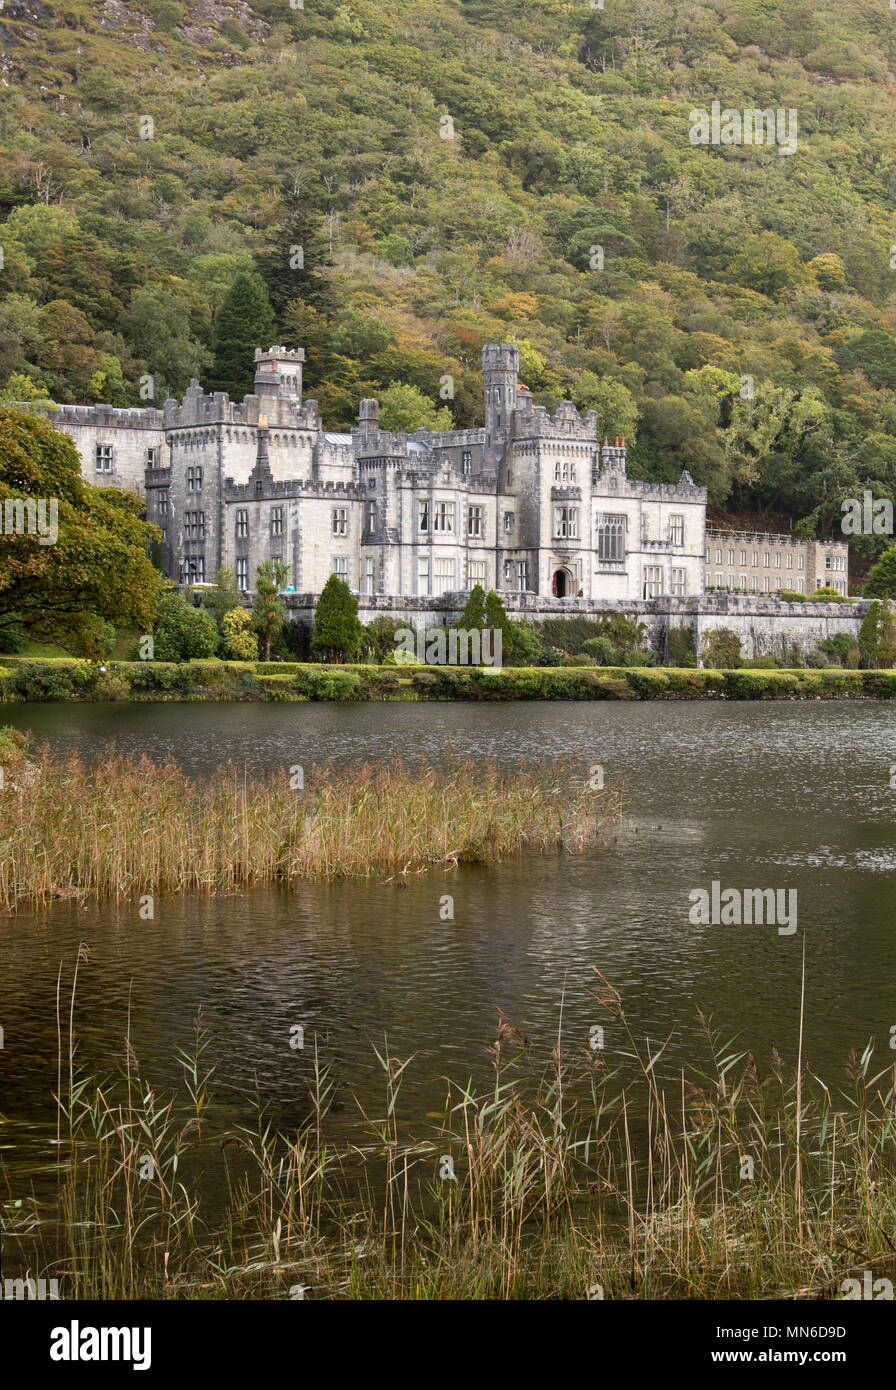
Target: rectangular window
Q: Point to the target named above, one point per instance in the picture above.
(242, 524)
(242, 573)
(743, 557)
(777, 559)
(194, 479)
(754, 583)
(676, 529)
(653, 581)
(104, 455)
(766, 559)
(799, 585)
(163, 503)
(719, 578)
(800, 559)
(423, 574)
(509, 521)
(707, 554)
(522, 575)
(152, 456)
(474, 521)
(611, 538)
(789, 560)
(754, 557)
(340, 521)
(276, 521)
(424, 518)
(443, 574)
(766, 583)
(566, 523)
(466, 462)
(731, 557)
(192, 571)
(718, 557)
(194, 525)
(743, 582)
(476, 572)
(368, 574)
(340, 566)
(370, 517)
(679, 582)
(443, 516)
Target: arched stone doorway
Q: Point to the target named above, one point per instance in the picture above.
(560, 584)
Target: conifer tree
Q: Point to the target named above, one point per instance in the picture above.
(337, 627)
(294, 265)
(881, 579)
(244, 322)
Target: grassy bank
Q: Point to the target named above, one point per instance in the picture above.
(125, 826)
(556, 1180)
(23, 679)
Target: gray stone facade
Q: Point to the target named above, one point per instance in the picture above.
(528, 504)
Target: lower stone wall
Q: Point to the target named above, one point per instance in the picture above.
(765, 627)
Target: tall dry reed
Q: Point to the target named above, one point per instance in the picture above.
(124, 825)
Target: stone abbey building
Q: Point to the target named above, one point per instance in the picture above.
(529, 504)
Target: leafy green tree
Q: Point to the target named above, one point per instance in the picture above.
(245, 321)
(269, 610)
(404, 408)
(97, 567)
(159, 328)
(617, 410)
(239, 642)
(338, 631)
(880, 581)
(182, 632)
(877, 636)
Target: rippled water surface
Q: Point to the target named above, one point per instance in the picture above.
(790, 795)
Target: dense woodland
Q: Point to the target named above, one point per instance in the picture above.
(161, 162)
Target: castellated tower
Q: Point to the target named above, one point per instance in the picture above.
(500, 377)
(278, 375)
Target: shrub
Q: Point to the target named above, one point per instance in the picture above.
(682, 646)
(50, 680)
(111, 685)
(721, 649)
(877, 638)
(336, 685)
(182, 632)
(826, 594)
(378, 639)
(568, 634)
(649, 683)
(602, 650)
(238, 640)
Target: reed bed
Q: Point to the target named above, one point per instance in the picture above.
(565, 1182)
(124, 825)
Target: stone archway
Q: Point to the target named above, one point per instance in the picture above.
(560, 584)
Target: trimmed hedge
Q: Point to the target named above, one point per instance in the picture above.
(26, 678)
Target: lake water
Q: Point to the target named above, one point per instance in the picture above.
(791, 795)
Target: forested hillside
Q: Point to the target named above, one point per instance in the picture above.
(456, 173)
